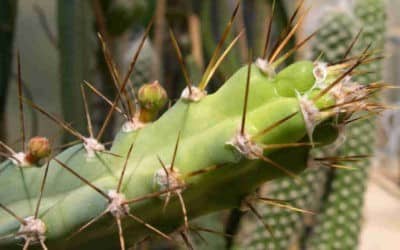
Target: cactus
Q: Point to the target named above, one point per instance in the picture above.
(7, 20)
(339, 224)
(333, 42)
(205, 154)
(75, 41)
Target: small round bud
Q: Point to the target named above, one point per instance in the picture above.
(152, 96)
(39, 147)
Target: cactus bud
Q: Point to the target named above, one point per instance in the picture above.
(152, 96)
(38, 148)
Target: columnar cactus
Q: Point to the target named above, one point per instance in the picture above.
(7, 22)
(339, 224)
(206, 153)
(330, 45)
(336, 39)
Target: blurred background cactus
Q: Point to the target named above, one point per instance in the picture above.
(60, 49)
(8, 14)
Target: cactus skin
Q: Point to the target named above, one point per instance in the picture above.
(339, 224)
(333, 39)
(206, 126)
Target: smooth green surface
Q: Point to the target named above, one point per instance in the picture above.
(205, 129)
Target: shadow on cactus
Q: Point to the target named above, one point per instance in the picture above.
(206, 153)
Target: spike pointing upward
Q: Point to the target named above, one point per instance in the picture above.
(269, 30)
(246, 95)
(181, 60)
(213, 60)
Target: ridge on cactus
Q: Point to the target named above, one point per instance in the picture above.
(206, 153)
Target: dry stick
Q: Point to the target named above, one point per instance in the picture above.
(100, 19)
(180, 60)
(152, 195)
(60, 122)
(344, 103)
(246, 95)
(344, 158)
(175, 151)
(186, 240)
(216, 52)
(363, 72)
(42, 189)
(7, 236)
(88, 224)
(67, 145)
(140, 244)
(203, 84)
(165, 169)
(10, 150)
(183, 207)
(207, 230)
(104, 39)
(296, 12)
(171, 168)
(42, 244)
(97, 92)
(347, 72)
(125, 81)
(8, 156)
(350, 48)
(243, 46)
(373, 59)
(109, 153)
(83, 180)
(295, 48)
(203, 171)
(136, 55)
(259, 217)
(284, 205)
(9, 211)
(289, 25)
(120, 233)
(363, 117)
(168, 183)
(331, 165)
(278, 166)
(274, 125)
(86, 107)
(287, 145)
(198, 234)
(124, 168)
(334, 83)
(269, 31)
(292, 32)
(357, 57)
(20, 103)
(139, 220)
(115, 76)
(26, 245)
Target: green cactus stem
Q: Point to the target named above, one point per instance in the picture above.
(339, 224)
(217, 149)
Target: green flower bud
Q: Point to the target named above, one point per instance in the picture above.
(152, 96)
